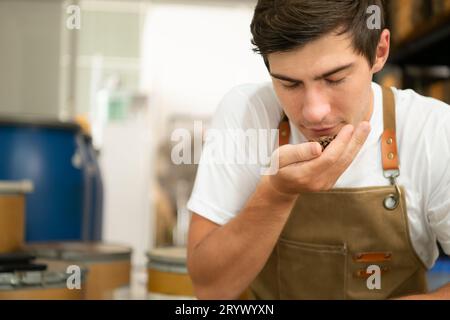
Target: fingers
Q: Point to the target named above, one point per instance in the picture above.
(338, 145)
(334, 159)
(289, 154)
(354, 146)
(333, 152)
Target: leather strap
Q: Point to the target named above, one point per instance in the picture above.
(370, 257)
(389, 154)
(362, 273)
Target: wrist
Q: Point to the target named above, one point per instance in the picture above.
(275, 195)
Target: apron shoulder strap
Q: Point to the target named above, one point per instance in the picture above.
(389, 152)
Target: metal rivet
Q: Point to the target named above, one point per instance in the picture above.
(389, 141)
(283, 133)
(390, 156)
(391, 202)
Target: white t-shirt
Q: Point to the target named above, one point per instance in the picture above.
(423, 137)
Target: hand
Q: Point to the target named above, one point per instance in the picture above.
(306, 168)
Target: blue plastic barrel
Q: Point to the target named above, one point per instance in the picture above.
(54, 157)
(93, 193)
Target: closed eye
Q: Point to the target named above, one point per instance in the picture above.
(291, 86)
(334, 82)
(328, 81)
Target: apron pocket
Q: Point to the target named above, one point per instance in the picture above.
(311, 271)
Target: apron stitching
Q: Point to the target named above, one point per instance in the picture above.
(326, 248)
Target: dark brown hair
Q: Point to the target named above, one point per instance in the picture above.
(284, 25)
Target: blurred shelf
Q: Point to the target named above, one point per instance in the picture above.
(429, 44)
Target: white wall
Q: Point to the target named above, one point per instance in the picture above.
(31, 40)
(126, 163)
(194, 52)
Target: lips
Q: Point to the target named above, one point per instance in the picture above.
(318, 132)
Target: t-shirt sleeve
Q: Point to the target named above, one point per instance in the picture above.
(223, 183)
(439, 201)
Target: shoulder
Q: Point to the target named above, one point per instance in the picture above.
(424, 136)
(251, 105)
(420, 118)
(420, 109)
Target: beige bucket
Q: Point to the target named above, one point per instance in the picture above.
(12, 214)
(167, 274)
(109, 266)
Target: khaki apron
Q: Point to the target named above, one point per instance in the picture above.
(332, 237)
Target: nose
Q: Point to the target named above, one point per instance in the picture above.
(315, 107)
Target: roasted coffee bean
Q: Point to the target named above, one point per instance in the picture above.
(324, 141)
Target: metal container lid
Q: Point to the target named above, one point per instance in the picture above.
(16, 187)
(55, 276)
(80, 251)
(38, 122)
(171, 255)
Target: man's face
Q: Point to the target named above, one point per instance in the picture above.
(323, 86)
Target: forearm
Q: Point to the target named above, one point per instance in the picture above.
(224, 263)
(442, 293)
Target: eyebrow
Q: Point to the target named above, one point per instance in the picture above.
(324, 75)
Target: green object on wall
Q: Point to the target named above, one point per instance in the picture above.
(117, 107)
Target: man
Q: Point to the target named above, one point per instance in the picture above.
(357, 220)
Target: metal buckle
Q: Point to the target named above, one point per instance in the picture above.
(392, 201)
(391, 175)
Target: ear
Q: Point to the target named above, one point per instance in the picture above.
(382, 53)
